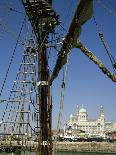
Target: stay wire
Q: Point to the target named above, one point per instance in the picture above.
(20, 96)
(38, 50)
(8, 7)
(65, 70)
(32, 103)
(106, 46)
(106, 8)
(14, 10)
(17, 77)
(111, 3)
(4, 25)
(30, 97)
(12, 57)
(6, 29)
(68, 11)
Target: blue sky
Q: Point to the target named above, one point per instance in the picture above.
(85, 83)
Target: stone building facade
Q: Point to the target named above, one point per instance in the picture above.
(79, 125)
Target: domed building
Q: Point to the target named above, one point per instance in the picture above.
(80, 125)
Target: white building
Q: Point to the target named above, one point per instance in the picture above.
(79, 125)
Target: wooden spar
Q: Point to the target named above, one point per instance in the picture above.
(92, 57)
(83, 13)
(71, 41)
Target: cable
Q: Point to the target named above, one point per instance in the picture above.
(111, 3)
(9, 98)
(61, 100)
(68, 12)
(16, 79)
(106, 46)
(6, 29)
(106, 8)
(19, 78)
(12, 56)
(11, 9)
(31, 127)
(64, 29)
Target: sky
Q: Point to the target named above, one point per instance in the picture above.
(85, 83)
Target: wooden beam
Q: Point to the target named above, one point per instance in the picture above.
(94, 59)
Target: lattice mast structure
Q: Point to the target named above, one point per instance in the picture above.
(44, 20)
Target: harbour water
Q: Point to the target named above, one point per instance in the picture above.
(57, 153)
(75, 153)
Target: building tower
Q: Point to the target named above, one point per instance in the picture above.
(102, 121)
(82, 116)
(102, 117)
(77, 110)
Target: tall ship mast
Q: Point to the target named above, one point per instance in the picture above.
(31, 91)
(44, 20)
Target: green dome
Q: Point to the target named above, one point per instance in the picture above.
(82, 110)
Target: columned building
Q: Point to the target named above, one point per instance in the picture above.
(79, 125)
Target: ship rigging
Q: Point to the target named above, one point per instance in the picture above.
(28, 109)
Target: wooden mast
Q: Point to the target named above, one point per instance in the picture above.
(43, 20)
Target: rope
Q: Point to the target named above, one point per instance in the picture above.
(17, 87)
(9, 99)
(111, 3)
(28, 60)
(61, 101)
(106, 46)
(14, 10)
(5, 6)
(11, 60)
(5, 26)
(7, 30)
(20, 97)
(69, 11)
(64, 29)
(106, 8)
